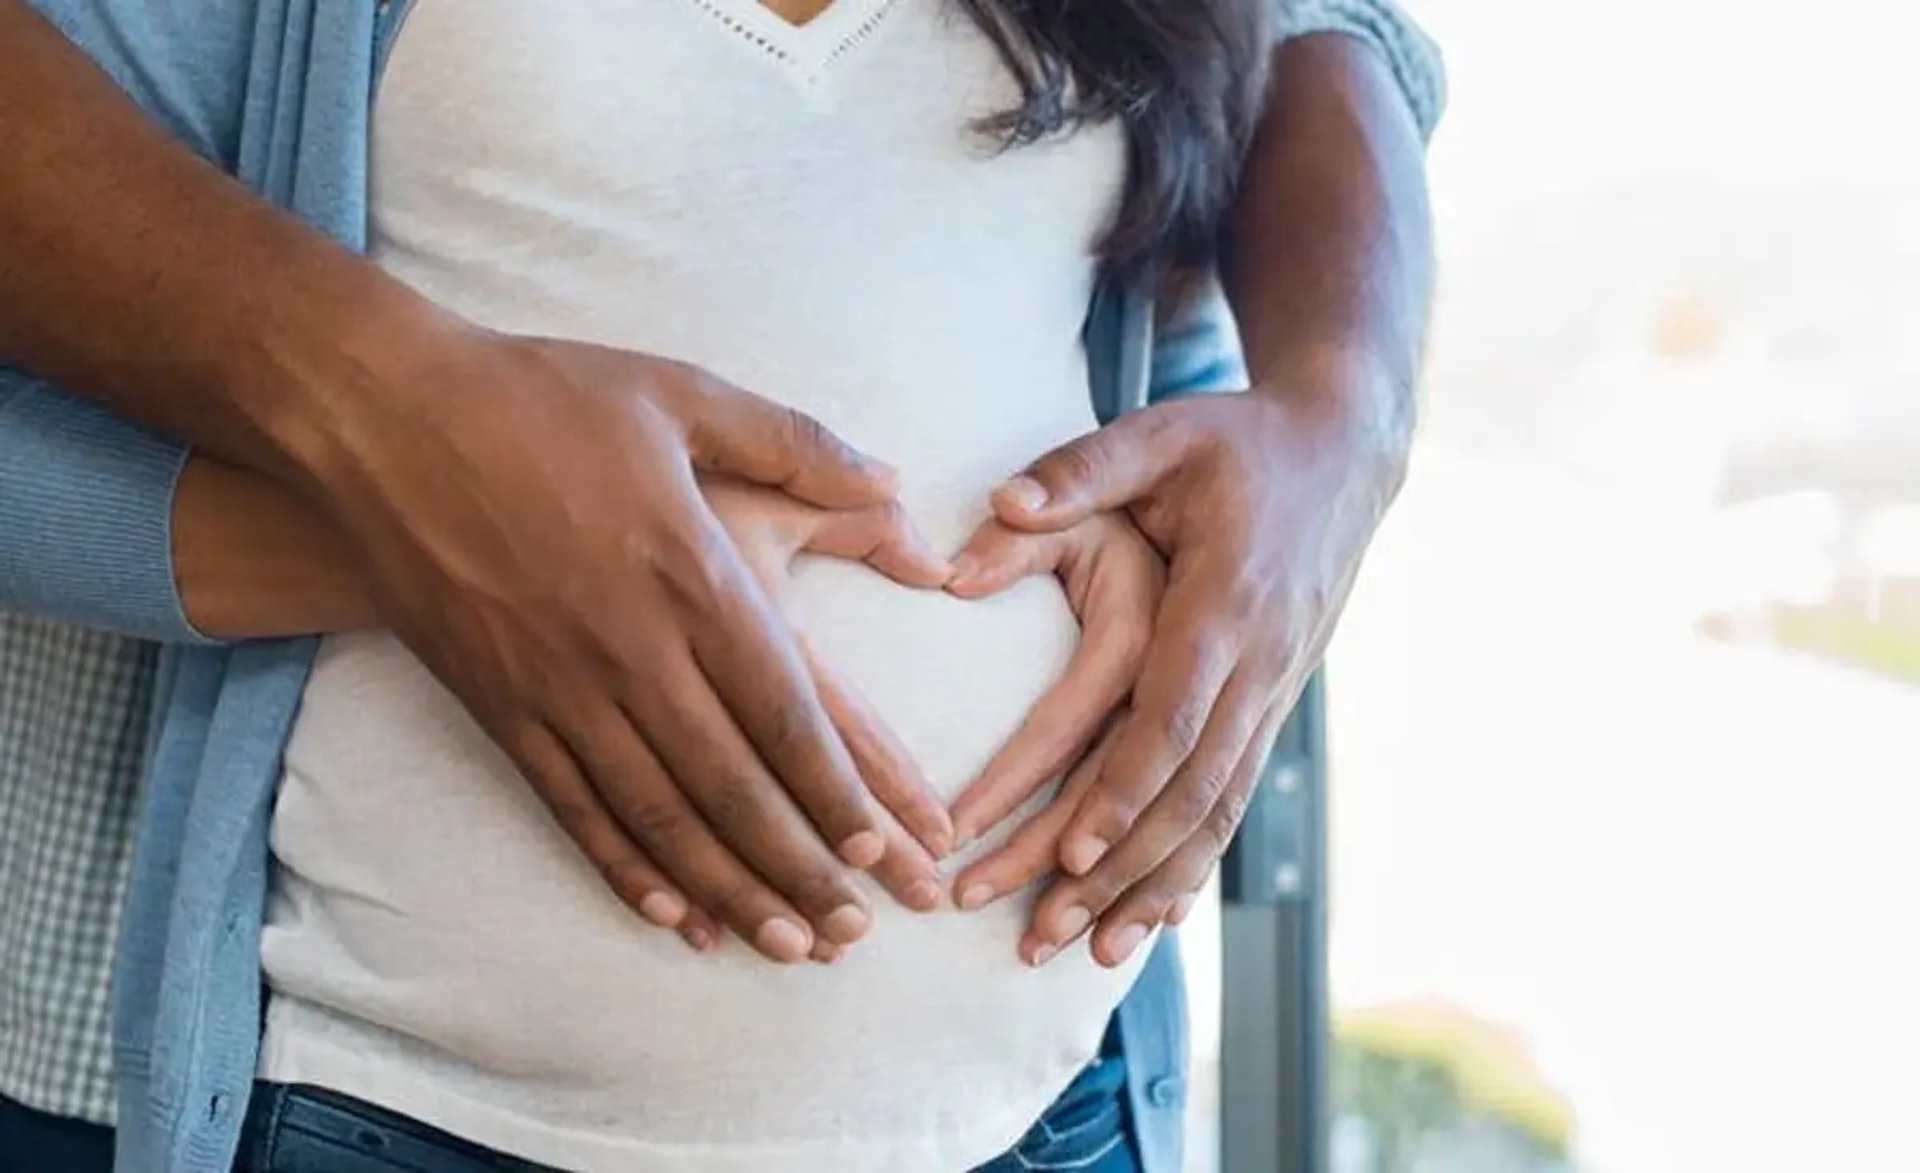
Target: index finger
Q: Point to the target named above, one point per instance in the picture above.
(1116, 610)
(1059, 727)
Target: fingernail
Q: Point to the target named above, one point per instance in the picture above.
(782, 940)
(923, 896)
(863, 850)
(1084, 854)
(1025, 492)
(1126, 941)
(1041, 954)
(929, 552)
(976, 897)
(826, 952)
(698, 938)
(1182, 908)
(1072, 923)
(663, 909)
(846, 924)
(939, 844)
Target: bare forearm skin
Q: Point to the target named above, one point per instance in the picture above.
(1329, 251)
(256, 561)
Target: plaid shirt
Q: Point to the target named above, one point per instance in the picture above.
(73, 718)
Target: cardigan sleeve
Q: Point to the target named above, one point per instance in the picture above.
(86, 515)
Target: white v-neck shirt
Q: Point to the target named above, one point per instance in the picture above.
(805, 212)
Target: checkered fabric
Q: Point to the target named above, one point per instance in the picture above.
(73, 717)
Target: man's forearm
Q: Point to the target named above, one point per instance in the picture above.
(1329, 256)
(140, 276)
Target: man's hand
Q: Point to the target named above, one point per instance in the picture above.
(528, 516)
(1264, 501)
(524, 511)
(1263, 507)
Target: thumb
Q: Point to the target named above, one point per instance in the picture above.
(1101, 470)
(997, 556)
(737, 432)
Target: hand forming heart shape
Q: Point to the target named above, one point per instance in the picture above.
(1113, 580)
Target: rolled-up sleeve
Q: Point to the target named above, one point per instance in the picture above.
(1409, 51)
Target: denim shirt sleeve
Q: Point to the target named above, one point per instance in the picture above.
(1412, 55)
(1196, 346)
(86, 515)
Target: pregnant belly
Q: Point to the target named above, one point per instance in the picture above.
(421, 888)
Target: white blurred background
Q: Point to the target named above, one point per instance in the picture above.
(1626, 711)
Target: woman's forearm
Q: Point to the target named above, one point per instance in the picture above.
(256, 561)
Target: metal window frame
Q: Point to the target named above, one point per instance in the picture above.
(1276, 1021)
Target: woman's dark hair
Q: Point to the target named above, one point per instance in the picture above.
(1186, 78)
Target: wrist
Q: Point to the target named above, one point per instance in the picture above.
(336, 373)
(1349, 402)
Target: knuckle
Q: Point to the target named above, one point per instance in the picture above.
(807, 435)
(1209, 843)
(732, 800)
(1214, 783)
(1073, 462)
(1215, 838)
(1185, 725)
(789, 729)
(629, 876)
(1098, 891)
(1251, 600)
(1231, 808)
(576, 816)
(654, 825)
(1190, 805)
(1113, 817)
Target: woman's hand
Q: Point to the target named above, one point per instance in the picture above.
(771, 529)
(1263, 505)
(1114, 581)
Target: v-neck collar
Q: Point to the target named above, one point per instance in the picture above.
(809, 49)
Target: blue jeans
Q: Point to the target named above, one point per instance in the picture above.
(31, 1142)
(298, 1129)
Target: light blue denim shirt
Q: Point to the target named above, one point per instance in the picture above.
(278, 92)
